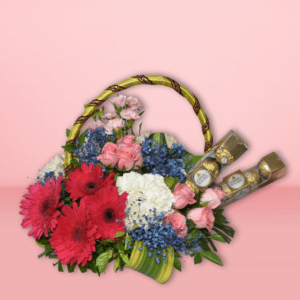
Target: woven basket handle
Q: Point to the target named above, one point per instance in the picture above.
(135, 80)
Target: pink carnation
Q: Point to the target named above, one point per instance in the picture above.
(109, 116)
(114, 124)
(134, 103)
(129, 114)
(119, 101)
(97, 124)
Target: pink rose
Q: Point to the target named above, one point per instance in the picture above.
(109, 116)
(97, 124)
(119, 101)
(183, 196)
(134, 103)
(109, 155)
(178, 223)
(129, 156)
(114, 124)
(203, 217)
(214, 197)
(126, 140)
(129, 114)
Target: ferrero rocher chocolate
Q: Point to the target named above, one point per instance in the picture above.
(223, 156)
(252, 177)
(204, 173)
(264, 169)
(239, 184)
(212, 166)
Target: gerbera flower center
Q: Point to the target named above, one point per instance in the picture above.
(91, 187)
(77, 234)
(46, 206)
(109, 215)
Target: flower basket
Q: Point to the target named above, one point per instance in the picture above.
(140, 201)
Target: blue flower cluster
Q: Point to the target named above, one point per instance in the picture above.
(47, 175)
(92, 147)
(159, 159)
(158, 238)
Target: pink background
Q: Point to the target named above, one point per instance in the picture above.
(241, 58)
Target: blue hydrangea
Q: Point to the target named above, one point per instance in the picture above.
(159, 159)
(92, 147)
(158, 237)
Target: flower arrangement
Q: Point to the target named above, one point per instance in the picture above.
(124, 199)
(121, 198)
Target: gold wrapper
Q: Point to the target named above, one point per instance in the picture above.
(226, 189)
(223, 156)
(192, 187)
(252, 177)
(212, 166)
(264, 169)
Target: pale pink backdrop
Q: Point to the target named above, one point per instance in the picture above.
(241, 59)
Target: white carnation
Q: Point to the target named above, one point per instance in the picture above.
(169, 139)
(147, 193)
(56, 165)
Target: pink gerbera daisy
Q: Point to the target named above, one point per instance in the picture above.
(87, 181)
(74, 237)
(40, 207)
(106, 208)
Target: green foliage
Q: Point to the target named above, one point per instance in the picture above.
(197, 258)
(81, 138)
(119, 234)
(68, 131)
(177, 264)
(140, 128)
(171, 182)
(69, 148)
(103, 259)
(212, 257)
(195, 159)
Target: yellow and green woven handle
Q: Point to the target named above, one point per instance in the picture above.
(139, 260)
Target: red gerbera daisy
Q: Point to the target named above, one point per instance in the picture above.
(106, 208)
(40, 207)
(74, 237)
(87, 181)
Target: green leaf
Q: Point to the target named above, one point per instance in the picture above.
(119, 234)
(176, 254)
(141, 113)
(69, 148)
(197, 258)
(71, 268)
(158, 138)
(82, 269)
(195, 159)
(102, 260)
(217, 237)
(108, 241)
(100, 113)
(228, 230)
(129, 124)
(124, 257)
(203, 204)
(82, 138)
(117, 263)
(225, 237)
(212, 257)
(171, 182)
(68, 131)
(190, 224)
(177, 264)
(194, 234)
(60, 268)
(140, 127)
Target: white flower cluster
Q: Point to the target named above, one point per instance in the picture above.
(169, 139)
(147, 193)
(56, 165)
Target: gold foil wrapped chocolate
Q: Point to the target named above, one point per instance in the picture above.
(252, 177)
(204, 173)
(239, 184)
